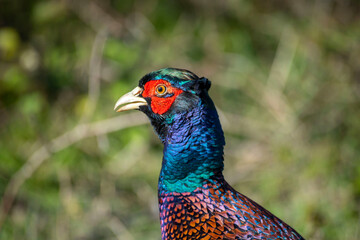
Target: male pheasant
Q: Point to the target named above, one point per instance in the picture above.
(195, 201)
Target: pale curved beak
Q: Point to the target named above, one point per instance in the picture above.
(130, 100)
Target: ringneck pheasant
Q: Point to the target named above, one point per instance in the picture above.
(195, 201)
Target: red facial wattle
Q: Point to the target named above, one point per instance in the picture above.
(160, 105)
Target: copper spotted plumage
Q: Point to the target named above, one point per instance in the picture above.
(217, 211)
(195, 201)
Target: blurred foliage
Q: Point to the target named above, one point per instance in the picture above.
(285, 79)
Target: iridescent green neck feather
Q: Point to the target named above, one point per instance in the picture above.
(190, 131)
(193, 147)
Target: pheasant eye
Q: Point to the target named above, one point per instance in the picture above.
(160, 89)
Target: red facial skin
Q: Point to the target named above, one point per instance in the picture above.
(160, 105)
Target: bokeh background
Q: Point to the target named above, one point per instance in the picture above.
(286, 82)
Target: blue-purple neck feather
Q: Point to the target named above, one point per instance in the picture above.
(193, 144)
(190, 131)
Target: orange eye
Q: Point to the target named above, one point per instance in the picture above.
(160, 89)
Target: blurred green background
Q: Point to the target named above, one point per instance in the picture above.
(286, 81)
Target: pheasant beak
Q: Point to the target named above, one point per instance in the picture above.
(130, 100)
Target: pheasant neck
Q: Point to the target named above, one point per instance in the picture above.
(193, 149)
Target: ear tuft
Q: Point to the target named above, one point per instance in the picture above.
(204, 83)
(200, 85)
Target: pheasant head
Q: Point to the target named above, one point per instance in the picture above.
(183, 115)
